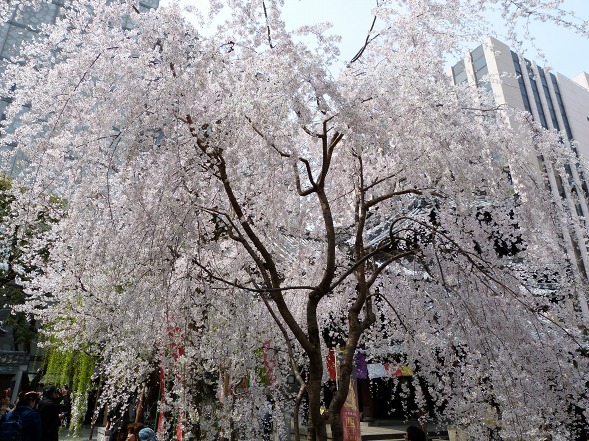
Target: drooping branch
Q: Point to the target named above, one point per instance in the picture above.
(483, 268)
(378, 199)
(411, 334)
(235, 284)
(381, 267)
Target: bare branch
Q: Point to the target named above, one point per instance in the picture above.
(387, 262)
(267, 25)
(366, 43)
(247, 288)
(380, 180)
(263, 136)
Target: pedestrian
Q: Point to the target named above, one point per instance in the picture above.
(147, 435)
(50, 411)
(5, 404)
(24, 422)
(266, 412)
(414, 433)
(66, 406)
(133, 431)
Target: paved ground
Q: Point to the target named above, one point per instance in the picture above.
(82, 436)
(391, 430)
(387, 430)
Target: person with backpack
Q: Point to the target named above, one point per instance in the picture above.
(24, 422)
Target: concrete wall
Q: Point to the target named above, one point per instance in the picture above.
(575, 98)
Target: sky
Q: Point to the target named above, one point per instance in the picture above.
(564, 51)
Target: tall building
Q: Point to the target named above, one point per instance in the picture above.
(22, 24)
(17, 363)
(556, 102)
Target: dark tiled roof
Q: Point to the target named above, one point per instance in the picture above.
(14, 358)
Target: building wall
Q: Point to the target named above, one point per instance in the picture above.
(14, 30)
(23, 25)
(576, 102)
(557, 103)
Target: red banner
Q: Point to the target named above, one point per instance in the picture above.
(330, 360)
(351, 415)
(175, 334)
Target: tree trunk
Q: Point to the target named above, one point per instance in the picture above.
(317, 430)
(297, 407)
(337, 428)
(335, 420)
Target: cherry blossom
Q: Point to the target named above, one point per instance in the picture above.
(224, 191)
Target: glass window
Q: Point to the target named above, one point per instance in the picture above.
(565, 120)
(536, 93)
(477, 53)
(479, 64)
(520, 81)
(548, 98)
(461, 78)
(459, 73)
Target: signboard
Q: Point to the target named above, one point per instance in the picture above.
(351, 415)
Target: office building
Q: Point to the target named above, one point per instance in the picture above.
(557, 103)
(18, 361)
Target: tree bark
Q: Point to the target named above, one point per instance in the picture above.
(317, 429)
(297, 407)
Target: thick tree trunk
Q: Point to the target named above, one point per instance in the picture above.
(337, 428)
(335, 420)
(317, 429)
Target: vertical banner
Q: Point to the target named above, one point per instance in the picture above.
(350, 414)
(270, 361)
(361, 366)
(161, 419)
(177, 351)
(330, 361)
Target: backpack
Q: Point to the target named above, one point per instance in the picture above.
(11, 426)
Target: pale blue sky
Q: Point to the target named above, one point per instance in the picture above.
(566, 52)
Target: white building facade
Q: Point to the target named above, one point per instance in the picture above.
(19, 26)
(557, 103)
(23, 25)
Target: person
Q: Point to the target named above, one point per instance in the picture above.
(50, 411)
(147, 435)
(133, 431)
(5, 404)
(66, 406)
(30, 420)
(267, 426)
(414, 433)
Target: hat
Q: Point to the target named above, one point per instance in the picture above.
(147, 435)
(24, 397)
